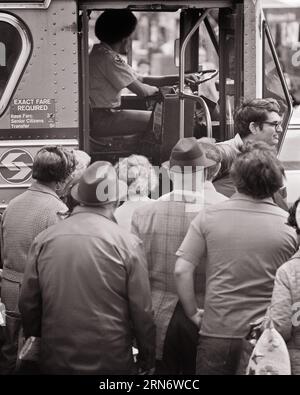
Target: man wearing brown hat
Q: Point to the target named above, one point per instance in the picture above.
(162, 227)
(86, 291)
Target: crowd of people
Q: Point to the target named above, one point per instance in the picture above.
(94, 267)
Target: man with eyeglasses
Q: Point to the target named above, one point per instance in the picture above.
(255, 120)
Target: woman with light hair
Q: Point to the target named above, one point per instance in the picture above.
(285, 306)
(140, 176)
(82, 161)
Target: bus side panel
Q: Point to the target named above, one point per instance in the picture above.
(51, 74)
(16, 160)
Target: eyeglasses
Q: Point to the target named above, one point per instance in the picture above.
(277, 125)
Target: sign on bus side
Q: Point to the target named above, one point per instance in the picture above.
(32, 113)
(16, 166)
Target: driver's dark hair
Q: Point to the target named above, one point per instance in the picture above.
(113, 26)
(255, 110)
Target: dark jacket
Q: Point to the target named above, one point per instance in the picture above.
(86, 293)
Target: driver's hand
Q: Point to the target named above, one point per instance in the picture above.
(192, 78)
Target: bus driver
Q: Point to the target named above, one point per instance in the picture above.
(109, 74)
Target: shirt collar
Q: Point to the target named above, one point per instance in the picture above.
(92, 210)
(39, 187)
(238, 142)
(108, 47)
(208, 186)
(182, 196)
(242, 196)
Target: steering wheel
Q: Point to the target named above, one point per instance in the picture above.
(203, 76)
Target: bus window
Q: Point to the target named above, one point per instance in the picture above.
(274, 84)
(152, 42)
(208, 59)
(2, 54)
(15, 49)
(153, 52)
(285, 28)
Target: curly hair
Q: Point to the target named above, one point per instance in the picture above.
(257, 172)
(113, 26)
(292, 219)
(255, 110)
(53, 164)
(138, 173)
(211, 152)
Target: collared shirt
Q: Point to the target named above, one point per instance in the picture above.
(162, 227)
(245, 241)
(86, 291)
(109, 74)
(25, 217)
(236, 143)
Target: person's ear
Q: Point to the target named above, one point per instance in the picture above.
(60, 188)
(217, 171)
(125, 45)
(254, 128)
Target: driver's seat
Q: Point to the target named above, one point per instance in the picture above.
(111, 148)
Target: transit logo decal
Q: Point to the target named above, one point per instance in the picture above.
(16, 166)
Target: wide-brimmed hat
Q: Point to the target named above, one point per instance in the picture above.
(186, 154)
(99, 185)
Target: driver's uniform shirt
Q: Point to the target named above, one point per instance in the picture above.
(109, 74)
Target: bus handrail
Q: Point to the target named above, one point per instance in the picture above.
(203, 104)
(182, 72)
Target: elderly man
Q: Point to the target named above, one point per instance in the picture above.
(255, 120)
(244, 241)
(162, 226)
(86, 290)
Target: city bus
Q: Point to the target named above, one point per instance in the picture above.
(44, 76)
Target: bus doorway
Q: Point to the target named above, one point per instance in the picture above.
(179, 110)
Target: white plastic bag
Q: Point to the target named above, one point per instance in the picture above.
(270, 355)
(31, 349)
(2, 314)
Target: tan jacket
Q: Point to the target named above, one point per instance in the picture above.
(285, 309)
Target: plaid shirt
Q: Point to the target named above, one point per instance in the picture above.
(162, 227)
